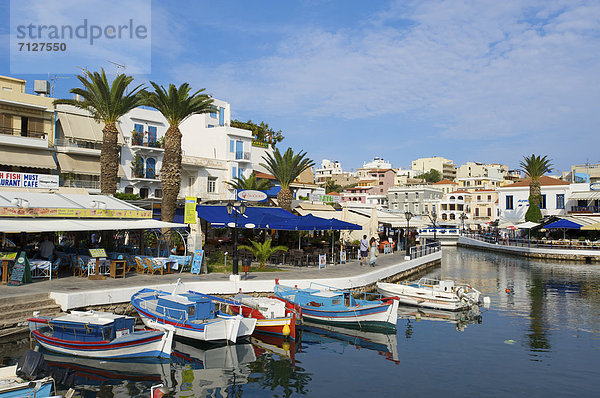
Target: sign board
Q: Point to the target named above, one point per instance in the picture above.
(197, 262)
(595, 186)
(343, 257)
(28, 180)
(8, 256)
(322, 261)
(13, 211)
(21, 272)
(98, 253)
(190, 210)
(317, 197)
(252, 196)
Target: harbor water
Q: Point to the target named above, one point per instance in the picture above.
(539, 337)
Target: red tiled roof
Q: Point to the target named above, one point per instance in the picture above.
(544, 181)
(264, 175)
(333, 193)
(445, 182)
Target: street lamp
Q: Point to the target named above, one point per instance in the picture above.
(234, 210)
(463, 217)
(433, 218)
(408, 216)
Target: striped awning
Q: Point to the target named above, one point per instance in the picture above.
(588, 195)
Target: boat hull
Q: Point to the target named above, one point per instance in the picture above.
(277, 326)
(145, 344)
(411, 296)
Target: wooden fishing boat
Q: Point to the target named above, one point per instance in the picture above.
(192, 315)
(271, 314)
(94, 334)
(12, 386)
(325, 304)
(432, 293)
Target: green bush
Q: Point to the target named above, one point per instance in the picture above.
(127, 196)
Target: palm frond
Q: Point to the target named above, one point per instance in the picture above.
(287, 167)
(535, 166)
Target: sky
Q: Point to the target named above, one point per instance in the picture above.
(347, 80)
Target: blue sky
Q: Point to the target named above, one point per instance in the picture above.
(349, 80)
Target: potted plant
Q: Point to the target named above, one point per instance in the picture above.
(262, 251)
(137, 165)
(137, 138)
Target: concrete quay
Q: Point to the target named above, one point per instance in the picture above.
(76, 292)
(566, 254)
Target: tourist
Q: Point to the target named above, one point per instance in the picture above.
(46, 249)
(364, 250)
(373, 252)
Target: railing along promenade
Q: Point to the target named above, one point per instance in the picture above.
(528, 243)
(423, 250)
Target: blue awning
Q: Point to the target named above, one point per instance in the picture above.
(562, 223)
(271, 218)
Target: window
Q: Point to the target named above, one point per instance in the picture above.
(231, 145)
(233, 172)
(489, 198)
(239, 149)
(509, 202)
(240, 173)
(138, 127)
(129, 189)
(212, 185)
(380, 182)
(477, 212)
(152, 134)
(560, 201)
(221, 116)
(143, 193)
(489, 212)
(158, 193)
(543, 202)
(478, 198)
(6, 126)
(213, 115)
(150, 167)
(211, 126)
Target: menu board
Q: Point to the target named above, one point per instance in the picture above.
(21, 272)
(322, 261)
(197, 262)
(343, 257)
(8, 255)
(98, 253)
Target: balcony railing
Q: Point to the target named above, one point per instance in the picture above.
(21, 133)
(87, 184)
(585, 209)
(240, 155)
(67, 142)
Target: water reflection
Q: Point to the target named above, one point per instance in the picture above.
(459, 318)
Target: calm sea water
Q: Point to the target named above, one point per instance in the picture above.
(542, 338)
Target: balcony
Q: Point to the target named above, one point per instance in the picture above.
(17, 137)
(244, 156)
(87, 184)
(585, 209)
(68, 145)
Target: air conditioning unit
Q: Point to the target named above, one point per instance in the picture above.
(41, 87)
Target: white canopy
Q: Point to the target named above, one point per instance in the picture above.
(15, 225)
(527, 225)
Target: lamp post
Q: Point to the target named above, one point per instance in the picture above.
(235, 209)
(433, 218)
(463, 217)
(408, 216)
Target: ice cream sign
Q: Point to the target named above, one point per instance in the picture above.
(28, 180)
(252, 196)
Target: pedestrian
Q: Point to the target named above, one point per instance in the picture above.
(372, 252)
(364, 250)
(46, 249)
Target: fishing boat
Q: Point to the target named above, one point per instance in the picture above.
(271, 314)
(432, 293)
(13, 386)
(192, 315)
(95, 334)
(320, 303)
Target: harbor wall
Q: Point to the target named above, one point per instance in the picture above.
(588, 256)
(117, 299)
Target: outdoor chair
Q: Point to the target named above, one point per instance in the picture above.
(140, 267)
(55, 266)
(153, 266)
(80, 268)
(130, 264)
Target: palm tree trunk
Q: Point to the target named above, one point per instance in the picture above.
(284, 198)
(170, 173)
(109, 159)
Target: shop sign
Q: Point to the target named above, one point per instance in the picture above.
(28, 180)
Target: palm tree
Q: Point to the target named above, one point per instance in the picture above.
(250, 183)
(286, 168)
(332, 186)
(534, 167)
(262, 251)
(106, 103)
(176, 105)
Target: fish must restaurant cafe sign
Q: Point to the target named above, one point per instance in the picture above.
(28, 180)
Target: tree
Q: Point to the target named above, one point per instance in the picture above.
(332, 186)
(262, 251)
(286, 168)
(261, 132)
(106, 103)
(534, 167)
(176, 105)
(432, 176)
(250, 183)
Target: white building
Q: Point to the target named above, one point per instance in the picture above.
(476, 169)
(416, 199)
(444, 166)
(328, 169)
(376, 164)
(513, 200)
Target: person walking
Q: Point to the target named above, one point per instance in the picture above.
(373, 252)
(364, 250)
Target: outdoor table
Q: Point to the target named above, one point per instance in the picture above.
(94, 266)
(167, 263)
(116, 266)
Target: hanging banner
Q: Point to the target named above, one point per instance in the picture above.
(190, 210)
(197, 262)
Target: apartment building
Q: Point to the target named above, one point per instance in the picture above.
(327, 170)
(484, 206)
(414, 198)
(477, 183)
(376, 164)
(445, 166)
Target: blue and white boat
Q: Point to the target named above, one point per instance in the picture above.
(325, 304)
(192, 315)
(104, 335)
(12, 386)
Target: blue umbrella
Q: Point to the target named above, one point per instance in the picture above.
(563, 223)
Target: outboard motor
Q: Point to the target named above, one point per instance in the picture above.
(32, 366)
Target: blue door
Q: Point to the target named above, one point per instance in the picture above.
(150, 168)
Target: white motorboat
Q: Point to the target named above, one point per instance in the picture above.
(432, 293)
